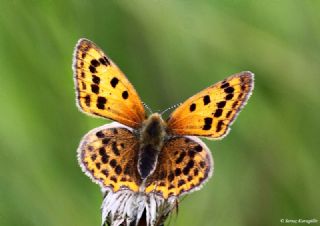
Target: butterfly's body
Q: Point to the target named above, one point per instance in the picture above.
(151, 137)
(148, 160)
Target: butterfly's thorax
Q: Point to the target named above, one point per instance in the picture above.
(152, 135)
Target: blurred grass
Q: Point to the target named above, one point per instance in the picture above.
(265, 170)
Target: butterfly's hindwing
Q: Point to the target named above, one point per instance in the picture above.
(108, 155)
(184, 164)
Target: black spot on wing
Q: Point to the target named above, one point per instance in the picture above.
(235, 104)
(114, 179)
(225, 85)
(181, 157)
(181, 182)
(198, 148)
(221, 104)
(87, 100)
(104, 61)
(118, 169)
(192, 107)
(229, 90)
(95, 88)
(218, 113)
(84, 86)
(115, 149)
(229, 113)
(93, 157)
(104, 155)
(92, 69)
(219, 126)
(95, 79)
(105, 141)
(95, 63)
(191, 153)
(188, 167)
(98, 165)
(100, 134)
(113, 163)
(114, 81)
(125, 95)
(229, 96)
(105, 172)
(101, 101)
(206, 100)
(178, 172)
(202, 164)
(207, 123)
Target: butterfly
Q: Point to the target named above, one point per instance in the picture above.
(145, 153)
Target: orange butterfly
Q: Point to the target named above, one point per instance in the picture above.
(144, 153)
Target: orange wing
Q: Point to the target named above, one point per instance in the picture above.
(108, 155)
(211, 112)
(102, 89)
(184, 164)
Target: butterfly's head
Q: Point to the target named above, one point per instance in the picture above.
(153, 129)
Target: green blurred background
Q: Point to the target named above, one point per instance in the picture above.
(265, 169)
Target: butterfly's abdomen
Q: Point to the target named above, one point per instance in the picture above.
(147, 160)
(151, 142)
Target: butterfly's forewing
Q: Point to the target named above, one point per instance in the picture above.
(108, 155)
(211, 112)
(184, 164)
(102, 89)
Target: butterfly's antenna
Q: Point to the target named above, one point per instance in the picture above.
(174, 106)
(147, 107)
